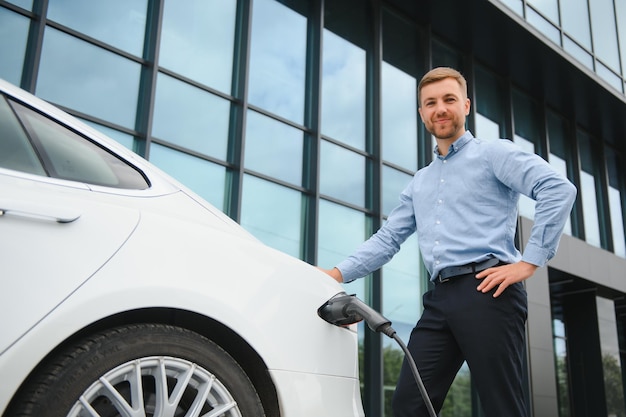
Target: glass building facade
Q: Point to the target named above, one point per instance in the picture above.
(298, 118)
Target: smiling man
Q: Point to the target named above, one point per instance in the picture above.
(463, 207)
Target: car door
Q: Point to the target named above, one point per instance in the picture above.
(55, 232)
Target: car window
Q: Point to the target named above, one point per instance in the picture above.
(15, 150)
(66, 155)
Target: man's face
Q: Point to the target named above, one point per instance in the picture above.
(443, 109)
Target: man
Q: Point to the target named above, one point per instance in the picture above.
(463, 207)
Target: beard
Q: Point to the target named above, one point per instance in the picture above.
(449, 130)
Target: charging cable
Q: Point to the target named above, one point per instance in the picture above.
(344, 309)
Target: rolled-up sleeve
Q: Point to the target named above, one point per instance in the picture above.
(554, 194)
(382, 245)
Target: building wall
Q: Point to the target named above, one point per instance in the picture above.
(575, 261)
(298, 119)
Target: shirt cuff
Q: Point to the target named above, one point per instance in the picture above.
(349, 270)
(537, 255)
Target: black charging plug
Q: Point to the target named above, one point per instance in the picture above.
(344, 309)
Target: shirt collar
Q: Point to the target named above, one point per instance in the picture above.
(456, 145)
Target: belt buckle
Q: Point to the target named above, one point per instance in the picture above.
(441, 279)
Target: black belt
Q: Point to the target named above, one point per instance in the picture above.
(453, 271)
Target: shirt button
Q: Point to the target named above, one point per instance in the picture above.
(439, 201)
(437, 222)
(436, 242)
(445, 161)
(437, 262)
(442, 180)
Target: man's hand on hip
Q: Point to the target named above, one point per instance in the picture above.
(504, 275)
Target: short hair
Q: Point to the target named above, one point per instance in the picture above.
(438, 74)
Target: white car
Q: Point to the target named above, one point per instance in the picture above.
(125, 294)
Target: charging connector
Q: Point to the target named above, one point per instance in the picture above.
(344, 309)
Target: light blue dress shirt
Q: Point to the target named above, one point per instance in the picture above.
(464, 209)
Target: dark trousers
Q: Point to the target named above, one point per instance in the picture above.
(460, 323)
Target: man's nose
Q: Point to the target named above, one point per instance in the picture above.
(441, 107)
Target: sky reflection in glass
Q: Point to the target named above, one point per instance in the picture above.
(341, 230)
(120, 23)
(191, 117)
(273, 148)
(272, 213)
(337, 162)
(84, 77)
(343, 91)
(402, 289)
(198, 40)
(203, 177)
(13, 38)
(278, 59)
(393, 183)
(399, 117)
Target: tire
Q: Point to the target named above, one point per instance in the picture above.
(158, 369)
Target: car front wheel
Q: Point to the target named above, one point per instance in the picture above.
(143, 370)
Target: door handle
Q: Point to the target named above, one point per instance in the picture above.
(38, 211)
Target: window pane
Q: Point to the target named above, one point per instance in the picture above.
(337, 162)
(445, 56)
(273, 148)
(613, 385)
(401, 69)
(402, 288)
(528, 125)
(26, 4)
(486, 129)
(277, 59)
(577, 52)
(527, 117)
(526, 204)
(206, 179)
(575, 21)
(13, 38)
(617, 222)
(620, 11)
(560, 166)
(273, 214)
(458, 402)
(491, 103)
(604, 32)
(588, 191)
(516, 5)
(401, 292)
(120, 23)
(548, 8)
(399, 117)
(343, 91)
(543, 25)
(341, 231)
(89, 79)
(614, 165)
(197, 40)
(559, 153)
(393, 183)
(190, 117)
(562, 365)
(609, 76)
